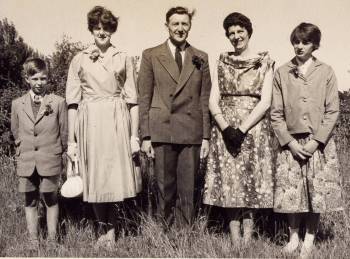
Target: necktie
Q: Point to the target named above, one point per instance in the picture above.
(37, 99)
(178, 58)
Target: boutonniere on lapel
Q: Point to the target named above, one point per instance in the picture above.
(197, 61)
(95, 53)
(295, 71)
(257, 65)
(48, 110)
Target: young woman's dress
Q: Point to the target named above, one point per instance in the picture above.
(104, 87)
(245, 180)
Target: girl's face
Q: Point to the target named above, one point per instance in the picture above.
(101, 35)
(238, 37)
(303, 49)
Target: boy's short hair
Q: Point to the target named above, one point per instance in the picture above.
(34, 65)
(178, 10)
(306, 32)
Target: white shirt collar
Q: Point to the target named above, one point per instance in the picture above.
(32, 95)
(172, 48)
(304, 67)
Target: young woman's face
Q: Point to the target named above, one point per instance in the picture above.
(101, 35)
(303, 50)
(238, 37)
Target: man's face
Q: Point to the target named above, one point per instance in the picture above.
(179, 26)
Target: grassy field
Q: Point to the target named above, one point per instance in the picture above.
(144, 238)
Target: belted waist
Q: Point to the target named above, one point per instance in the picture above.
(92, 98)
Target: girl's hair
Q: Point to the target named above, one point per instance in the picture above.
(238, 19)
(34, 65)
(306, 32)
(100, 14)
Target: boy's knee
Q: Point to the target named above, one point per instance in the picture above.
(31, 199)
(50, 198)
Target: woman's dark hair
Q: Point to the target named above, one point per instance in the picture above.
(100, 14)
(178, 10)
(306, 32)
(238, 19)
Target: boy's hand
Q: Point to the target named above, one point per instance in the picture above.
(298, 150)
(72, 151)
(311, 146)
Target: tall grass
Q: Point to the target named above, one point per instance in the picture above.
(141, 236)
(146, 239)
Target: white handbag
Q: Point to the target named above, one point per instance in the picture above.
(73, 186)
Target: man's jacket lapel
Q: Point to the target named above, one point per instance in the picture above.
(187, 70)
(168, 62)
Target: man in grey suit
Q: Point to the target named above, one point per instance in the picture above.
(174, 86)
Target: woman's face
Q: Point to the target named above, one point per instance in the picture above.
(101, 35)
(238, 37)
(303, 50)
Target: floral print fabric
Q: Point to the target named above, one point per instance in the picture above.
(244, 179)
(312, 186)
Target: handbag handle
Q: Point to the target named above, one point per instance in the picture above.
(72, 168)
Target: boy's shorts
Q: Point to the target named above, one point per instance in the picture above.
(37, 182)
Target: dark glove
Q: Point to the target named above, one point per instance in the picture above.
(239, 137)
(233, 139)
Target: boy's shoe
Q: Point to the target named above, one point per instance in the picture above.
(33, 243)
(105, 242)
(306, 251)
(52, 242)
(290, 247)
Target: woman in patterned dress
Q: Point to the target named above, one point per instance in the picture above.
(240, 176)
(305, 107)
(103, 122)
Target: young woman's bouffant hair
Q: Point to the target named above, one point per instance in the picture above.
(306, 32)
(238, 19)
(100, 14)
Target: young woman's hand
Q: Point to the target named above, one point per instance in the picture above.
(135, 144)
(147, 148)
(311, 146)
(72, 151)
(298, 150)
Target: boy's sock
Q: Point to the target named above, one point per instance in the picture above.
(32, 221)
(52, 219)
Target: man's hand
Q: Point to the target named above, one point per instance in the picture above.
(204, 149)
(147, 148)
(298, 150)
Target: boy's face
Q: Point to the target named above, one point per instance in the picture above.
(38, 82)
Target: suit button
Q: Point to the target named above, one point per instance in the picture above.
(171, 95)
(35, 134)
(304, 117)
(36, 148)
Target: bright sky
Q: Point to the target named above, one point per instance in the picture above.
(41, 23)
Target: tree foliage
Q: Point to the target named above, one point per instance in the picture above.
(64, 52)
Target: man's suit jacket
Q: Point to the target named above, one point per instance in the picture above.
(39, 141)
(173, 106)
